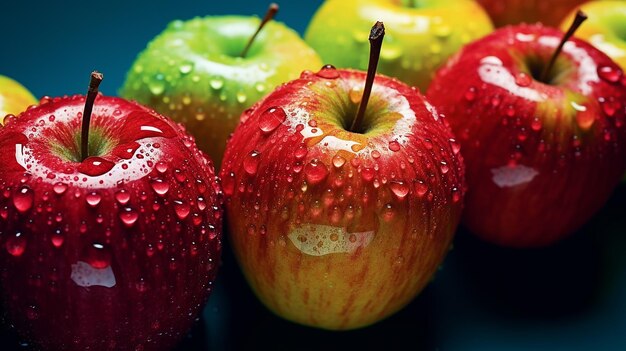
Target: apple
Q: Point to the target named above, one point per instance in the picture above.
(14, 97)
(196, 73)
(421, 34)
(529, 11)
(115, 248)
(605, 29)
(339, 221)
(542, 131)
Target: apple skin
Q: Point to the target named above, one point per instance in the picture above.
(549, 13)
(191, 72)
(417, 41)
(14, 98)
(335, 229)
(538, 166)
(98, 258)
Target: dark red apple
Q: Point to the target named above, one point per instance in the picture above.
(548, 12)
(114, 251)
(544, 148)
(339, 221)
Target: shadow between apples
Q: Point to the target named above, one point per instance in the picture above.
(558, 282)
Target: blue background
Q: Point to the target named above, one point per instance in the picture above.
(571, 296)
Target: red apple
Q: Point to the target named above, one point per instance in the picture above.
(549, 12)
(337, 224)
(114, 251)
(543, 150)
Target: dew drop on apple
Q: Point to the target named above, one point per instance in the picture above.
(421, 188)
(536, 124)
(456, 195)
(128, 216)
(522, 79)
(95, 166)
(185, 68)
(160, 186)
(156, 86)
(368, 174)
(241, 97)
(216, 83)
(182, 209)
(470, 94)
(23, 199)
(394, 146)
(59, 188)
(610, 74)
(315, 172)
(328, 72)
(356, 94)
(228, 183)
(391, 52)
(93, 199)
(495, 101)
(399, 189)
(161, 167)
(271, 118)
(338, 161)
(57, 238)
(251, 162)
(97, 255)
(609, 106)
(16, 244)
(122, 197)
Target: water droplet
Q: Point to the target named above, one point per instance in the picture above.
(535, 124)
(368, 174)
(127, 150)
(271, 118)
(23, 199)
(399, 189)
(522, 79)
(610, 74)
(186, 67)
(470, 94)
(315, 172)
(328, 72)
(161, 167)
(95, 166)
(122, 197)
(228, 183)
(16, 244)
(456, 195)
(356, 94)
(160, 186)
(456, 146)
(421, 188)
(394, 146)
(93, 199)
(59, 188)
(97, 256)
(375, 154)
(338, 161)
(241, 97)
(156, 87)
(182, 209)
(495, 101)
(251, 162)
(444, 167)
(216, 83)
(128, 216)
(57, 239)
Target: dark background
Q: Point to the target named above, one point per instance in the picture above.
(571, 296)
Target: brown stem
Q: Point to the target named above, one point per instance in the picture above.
(269, 15)
(578, 20)
(92, 92)
(376, 43)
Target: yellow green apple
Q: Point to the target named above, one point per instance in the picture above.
(421, 35)
(14, 97)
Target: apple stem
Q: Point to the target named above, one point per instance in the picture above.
(376, 42)
(578, 20)
(92, 92)
(269, 15)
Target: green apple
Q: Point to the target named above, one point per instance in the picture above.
(193, 72)
(14, 97)
(605, 28)
(421, 35)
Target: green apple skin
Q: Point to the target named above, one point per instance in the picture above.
(14, 97)
(192, 73)
(418, 39)
(605, 28)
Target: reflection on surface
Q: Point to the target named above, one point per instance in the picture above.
(319, 240)
(83, 274)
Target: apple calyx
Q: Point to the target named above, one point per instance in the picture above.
(269, 15)
(376, 42)
(578, 20)
(92, 92)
